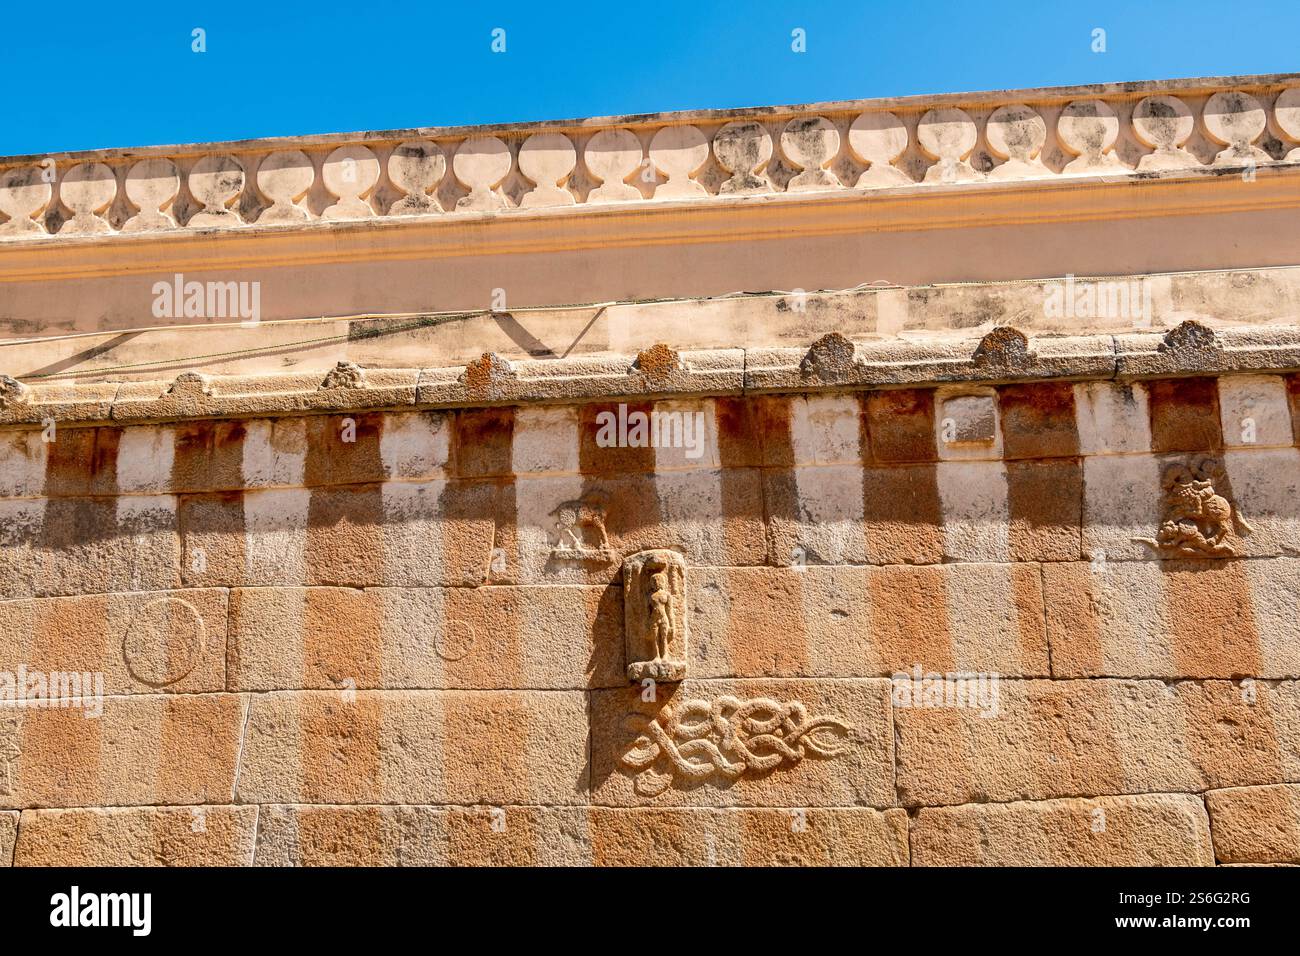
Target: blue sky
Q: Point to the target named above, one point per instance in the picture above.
(86, 75)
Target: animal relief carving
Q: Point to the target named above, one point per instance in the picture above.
(654, 612)
(1197, 520)
(580, 530)
(697, 740)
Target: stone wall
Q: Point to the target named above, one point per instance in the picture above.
(391, 636)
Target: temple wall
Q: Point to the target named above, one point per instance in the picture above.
(892, 482)
(377, 636)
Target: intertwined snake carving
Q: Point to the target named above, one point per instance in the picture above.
(727, 737)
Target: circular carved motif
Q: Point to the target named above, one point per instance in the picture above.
(455, 642)
(1162, 122)
(482, 162)
(88, 188)
(612, 155)
(1286, 113)
(152, 184)
(878, 138)
(1087, 126)
(416, 168)
(1233, 118)
(946, 134)
(285, 177)
(23, 194)
(216, 181)
(163, 642)
(1015, 132)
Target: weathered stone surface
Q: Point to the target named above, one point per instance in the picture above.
(1044, 510)
(140, 643)
(422, 836)
(900, 422)
(1122, 502)
(418, 747)
(748, 837)
(579, 836)
(713, 517)
(866, 622)
(1254, 411)
(1065, 737)
(1263, 487)
(968, 424)
(816, 515)
(1038, 420)
(976, 518)
(8, 836)
(143, 750)
(838, 733)
(1173, 619)
(413, 522)
(1149, 830)
(903, 515)
(388, 638)
(405, 534)
(1112, 417)
(1256, 824)
(1185, 415)
(138, 836)
(88, 545)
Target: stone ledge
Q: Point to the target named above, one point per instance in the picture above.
(832, 363)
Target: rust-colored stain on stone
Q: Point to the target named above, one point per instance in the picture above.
(658, 361)
(486, 373)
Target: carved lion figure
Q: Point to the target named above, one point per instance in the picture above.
(1196, 518)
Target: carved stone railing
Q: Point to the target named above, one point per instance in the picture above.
(1132, 130)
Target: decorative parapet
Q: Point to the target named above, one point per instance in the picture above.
(1182, 128)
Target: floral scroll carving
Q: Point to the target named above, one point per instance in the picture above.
(1197, 520)
(699, 741)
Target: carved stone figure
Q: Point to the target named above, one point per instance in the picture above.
(698, 740)
(12, 391)
(661, 614)
(654, 595)
(10, 751)
(345, 375)
(580, 530)
(1197, 519)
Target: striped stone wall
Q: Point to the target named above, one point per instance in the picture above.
(356, 638)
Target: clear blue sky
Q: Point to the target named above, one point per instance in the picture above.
(82, 75)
